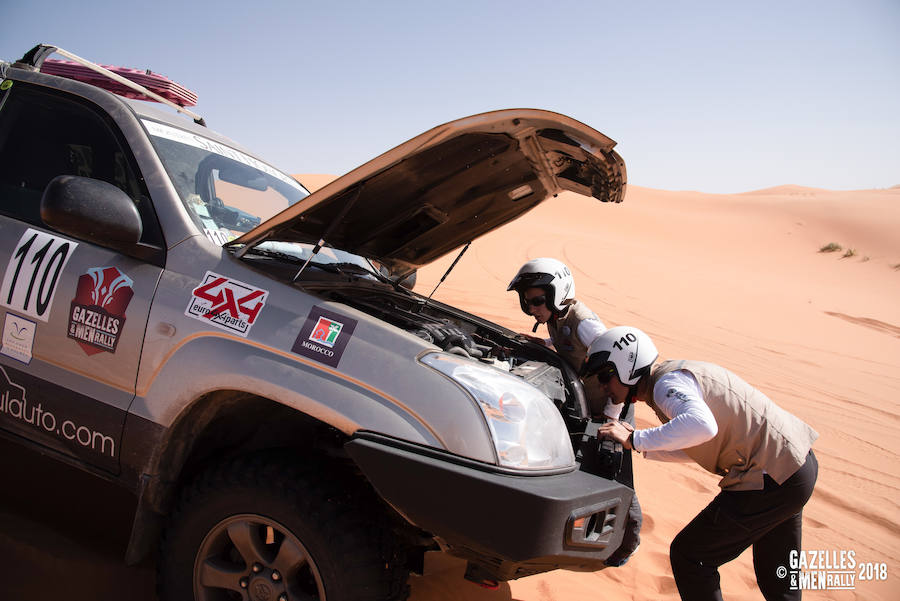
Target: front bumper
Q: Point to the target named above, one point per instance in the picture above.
(508, 525)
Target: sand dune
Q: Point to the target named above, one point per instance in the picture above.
(786, 189)
(738, 280)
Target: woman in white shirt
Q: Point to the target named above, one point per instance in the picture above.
(711, 416)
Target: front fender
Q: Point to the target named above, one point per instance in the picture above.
(328, 395)
(160, 438)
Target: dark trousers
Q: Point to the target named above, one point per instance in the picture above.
(768, 519)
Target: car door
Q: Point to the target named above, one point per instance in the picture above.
(73, 313)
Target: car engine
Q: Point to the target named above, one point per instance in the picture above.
(456, 332)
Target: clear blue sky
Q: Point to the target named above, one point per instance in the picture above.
(716, 96)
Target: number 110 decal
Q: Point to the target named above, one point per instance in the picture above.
(33, 273)
(626, 340)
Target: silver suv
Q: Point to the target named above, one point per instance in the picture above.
(249, 359)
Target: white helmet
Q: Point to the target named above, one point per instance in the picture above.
(630, 350)
(551, 275)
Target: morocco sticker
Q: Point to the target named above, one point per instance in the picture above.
(97, 313)
(226, 303)
(324, 336)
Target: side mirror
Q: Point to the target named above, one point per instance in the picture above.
(91, 210)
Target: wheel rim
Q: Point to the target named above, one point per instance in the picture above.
(254, 558)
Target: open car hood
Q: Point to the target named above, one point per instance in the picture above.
(450, 185)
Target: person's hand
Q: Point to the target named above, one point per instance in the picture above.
(618, 431)
(534, 339)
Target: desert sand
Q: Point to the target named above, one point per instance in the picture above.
(739, 280)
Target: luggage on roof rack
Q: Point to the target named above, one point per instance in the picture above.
(155, 82)
(130, 83)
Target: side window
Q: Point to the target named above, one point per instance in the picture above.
(43, 135)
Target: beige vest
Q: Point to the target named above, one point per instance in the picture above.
(564, 334)
(755, 435)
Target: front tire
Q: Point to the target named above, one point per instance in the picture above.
(258, 529)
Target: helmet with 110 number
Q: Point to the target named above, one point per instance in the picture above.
(629, 349)
(551, 275)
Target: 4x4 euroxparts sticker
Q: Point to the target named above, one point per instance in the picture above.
(97, 313)
(226, 303)
(324, 336)
(33, 272)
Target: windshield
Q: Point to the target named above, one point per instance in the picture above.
(226, 191)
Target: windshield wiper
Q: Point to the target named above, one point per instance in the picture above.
(341, 268)
(348, 267)
(275, 254)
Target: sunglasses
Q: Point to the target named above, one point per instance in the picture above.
(537, 301)
(607, 373)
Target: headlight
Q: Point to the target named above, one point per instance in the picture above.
(527, 430)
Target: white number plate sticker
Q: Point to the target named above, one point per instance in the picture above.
(33, 272)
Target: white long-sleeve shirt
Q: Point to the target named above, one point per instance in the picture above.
(691, 422)
(588, 331)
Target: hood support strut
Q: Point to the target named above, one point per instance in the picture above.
(337, 220)
(449, 269)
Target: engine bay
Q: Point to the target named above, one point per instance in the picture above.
(460, 333)
(448, 328)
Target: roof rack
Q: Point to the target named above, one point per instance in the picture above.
(167, 91)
